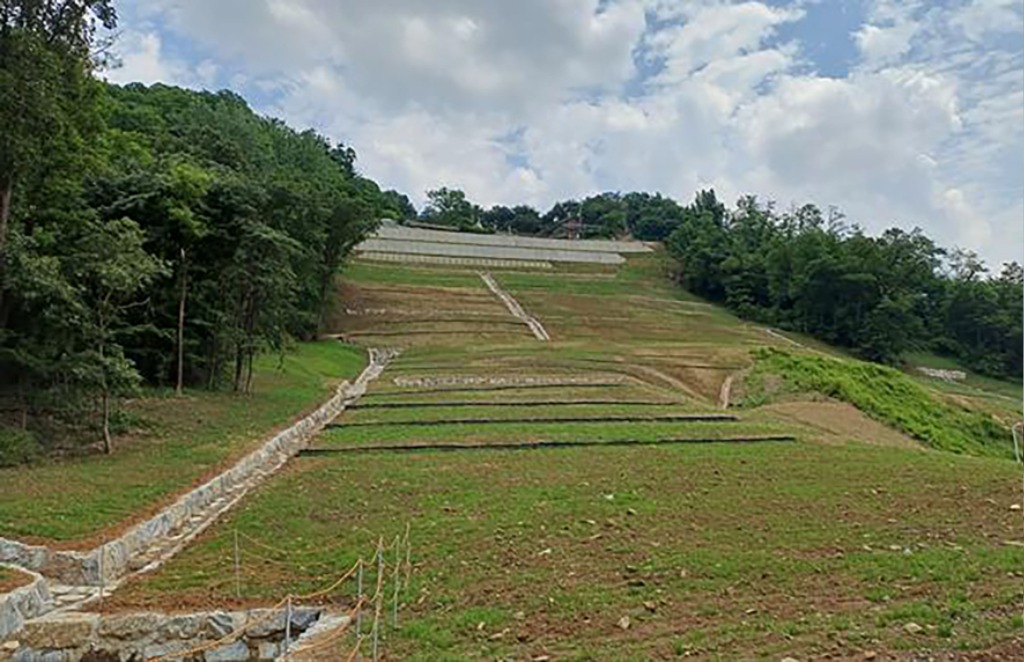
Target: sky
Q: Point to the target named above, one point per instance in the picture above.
(906, 113)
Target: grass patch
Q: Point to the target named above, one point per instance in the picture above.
(739, 548)
(182, 440)
(888, 396)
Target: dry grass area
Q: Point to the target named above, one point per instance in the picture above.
(12, 578)
(851, 540)
(839, 422)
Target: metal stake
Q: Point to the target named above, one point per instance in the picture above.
(359, 608)
(378, 597)
(408, 556)
(238, 569)
(398, 581)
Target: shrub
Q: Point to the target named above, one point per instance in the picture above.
(17, 446)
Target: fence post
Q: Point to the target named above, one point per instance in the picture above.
(397, 577)
(288, 626)
(408, 556)
(359, 608)
(377, 598)
(238, 569)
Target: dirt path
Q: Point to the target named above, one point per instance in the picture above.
(725, 392)
(513, 307)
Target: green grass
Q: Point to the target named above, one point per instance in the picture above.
(723, 551)
(889, 396)
(742, 551)
(642, 274)
(972, 385)
(393, 274)
(513, 432)
(515, 413)
(182, 441)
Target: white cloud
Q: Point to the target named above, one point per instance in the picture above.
(140, 60)
(885, 44)
(984, 17)
(534, 100)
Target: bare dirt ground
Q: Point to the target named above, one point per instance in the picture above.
(839, 422)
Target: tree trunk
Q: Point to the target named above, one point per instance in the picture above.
(248, 372)
(183, 293)
(239, 362)
(6, 192)
(108, 446)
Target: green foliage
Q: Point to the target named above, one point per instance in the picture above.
(397, 206)
(521, 219)
(450, 207)
(17, 446)
(890, 397)
(173, 238)
(883, 296)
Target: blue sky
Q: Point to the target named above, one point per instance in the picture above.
(905, 113)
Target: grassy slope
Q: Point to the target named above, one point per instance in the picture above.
(737, 551)
(183, 441)
(891, 397)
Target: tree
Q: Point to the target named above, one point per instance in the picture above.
(450, 207)
(603, 216)
(651, 217)
(110, 267)
(47, 94)
(397, 206)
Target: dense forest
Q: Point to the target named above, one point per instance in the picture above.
(151, 235)
(801, 270)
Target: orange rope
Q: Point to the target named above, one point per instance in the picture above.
(333, 637)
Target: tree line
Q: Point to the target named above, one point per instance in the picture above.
(644, 216)
(150, 235)
(804, 270)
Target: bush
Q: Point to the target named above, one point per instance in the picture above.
(890, 397)
(17, 446)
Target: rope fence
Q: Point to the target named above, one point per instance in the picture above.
(390, 580)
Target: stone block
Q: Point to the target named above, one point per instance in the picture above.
(35, 655)
(186, 626)
(131, 626)
(69, 630)
(268, 650)
(236, 652)
(220, 623)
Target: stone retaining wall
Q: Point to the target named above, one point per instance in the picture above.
(23, 603)
(113, 560)
(142, 636)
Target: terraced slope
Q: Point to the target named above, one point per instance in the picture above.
(852, 539)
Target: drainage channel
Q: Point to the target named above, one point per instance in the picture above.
(506, 403)
(503, 387)
(531, 445)
(684, 418)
